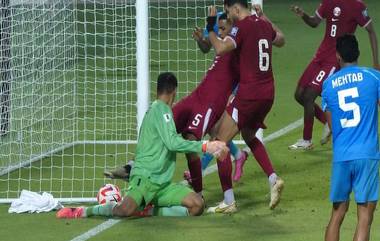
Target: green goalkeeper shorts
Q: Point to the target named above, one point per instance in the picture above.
(143, 191)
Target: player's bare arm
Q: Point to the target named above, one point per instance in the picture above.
(312, 21)
(374, 46)
(220, 46)
(279, 41)
(203, 44)
(328, 118)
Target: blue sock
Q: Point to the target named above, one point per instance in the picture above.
(206, 159)
(234, 149)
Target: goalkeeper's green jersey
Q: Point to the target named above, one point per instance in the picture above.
(158, 143)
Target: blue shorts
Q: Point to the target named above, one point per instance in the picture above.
(360, 176)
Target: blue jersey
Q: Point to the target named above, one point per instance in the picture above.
(352, 95)
(216, 27)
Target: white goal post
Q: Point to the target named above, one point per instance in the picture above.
(75, 84)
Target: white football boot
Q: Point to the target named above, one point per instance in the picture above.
(275, 193)
(223, 208)
(326, 134)
(301, 144)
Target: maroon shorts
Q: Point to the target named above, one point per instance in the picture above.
(249, 113)
(193, 117)
(315, 73)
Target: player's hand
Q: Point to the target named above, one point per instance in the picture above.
(297, 10)
(212, 11)
(258, 10)
(197, 34)
(217, 149)
(211, 19)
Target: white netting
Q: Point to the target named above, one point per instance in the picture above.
(67, 94)
(68, 87)
(171, 45)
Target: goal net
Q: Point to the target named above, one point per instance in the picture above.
(68, 89)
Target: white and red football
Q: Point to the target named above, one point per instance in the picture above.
(108, 193)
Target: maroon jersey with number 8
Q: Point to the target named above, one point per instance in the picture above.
(342, 16)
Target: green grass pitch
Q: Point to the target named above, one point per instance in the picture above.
(304, 210)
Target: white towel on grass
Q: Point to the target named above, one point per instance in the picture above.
(34, 202)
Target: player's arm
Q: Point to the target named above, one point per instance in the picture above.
(279, 40)
(328, 119)
(174, 142)
(312, 21)
(203, 43)
(324, 104)
(374, 46)
(221, 46)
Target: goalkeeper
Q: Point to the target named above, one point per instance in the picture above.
(151, 175)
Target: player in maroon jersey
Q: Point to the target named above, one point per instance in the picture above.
(197, 114)
(342, 16)
(224, 26)
(251, 40)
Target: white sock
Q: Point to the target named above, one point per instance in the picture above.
(229, 197)
(272, 179)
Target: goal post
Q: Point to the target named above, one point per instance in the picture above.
(142, 57)
(73, 96)
(81, 72)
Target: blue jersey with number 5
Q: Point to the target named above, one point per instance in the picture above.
(352, 95)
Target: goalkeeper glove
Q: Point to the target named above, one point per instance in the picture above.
(216, 148)
(211, 21)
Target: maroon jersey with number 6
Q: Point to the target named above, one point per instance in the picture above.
(253, 38)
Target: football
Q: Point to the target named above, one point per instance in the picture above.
(108, 193)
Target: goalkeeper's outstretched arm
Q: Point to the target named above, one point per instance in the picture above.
(174, 142)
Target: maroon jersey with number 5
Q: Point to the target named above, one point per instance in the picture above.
(253, 38)
(342, 16)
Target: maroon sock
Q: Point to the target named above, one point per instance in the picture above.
(261, 156)
(195, 168)
(308, 128)
(225, 172)
(319, 114)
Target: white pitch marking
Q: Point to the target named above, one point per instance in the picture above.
(111, 222)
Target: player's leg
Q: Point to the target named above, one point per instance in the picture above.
(337, 216)
(177, 200)
(194, 204)
(340, 189)
(276, 184)
(195, 169)
(298, 94)
(238, 154)
(184, 120)
(240, 159)
(137, 192)
(205, 160)
(304, 98)
(227, 130)
(366, 189)
(309, 111)
(310, 95)
(365, 217)
(194, 164)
